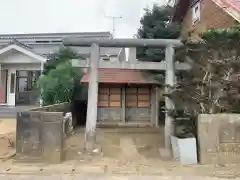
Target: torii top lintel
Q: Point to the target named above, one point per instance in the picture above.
(123, 42)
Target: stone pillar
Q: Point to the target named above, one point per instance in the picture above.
(90, 134)
(123, 109)
(2, 94)
(169, 80)
(132, 54)
(157, 107)
(0, 76)
(40, 100)
(153, 106)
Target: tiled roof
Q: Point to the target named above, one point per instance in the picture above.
(233, 3)
(232, 7)
(122, 76)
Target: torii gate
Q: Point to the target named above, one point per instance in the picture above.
(168, 66)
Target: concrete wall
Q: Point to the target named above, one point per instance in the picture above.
(211, 16)
(40, 134)
(219, 138)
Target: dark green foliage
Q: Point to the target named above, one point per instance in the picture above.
(155, 25)
(63, 55)
(220, 35)
(209, 87)
(60, 79)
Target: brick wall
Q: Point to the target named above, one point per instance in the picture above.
(211, 16)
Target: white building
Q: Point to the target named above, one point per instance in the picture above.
(22, 58)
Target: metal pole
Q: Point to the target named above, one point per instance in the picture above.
(169, 80)
(90, 134)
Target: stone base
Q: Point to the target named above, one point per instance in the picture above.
(165, 154)
(219, 138)
(90, 142)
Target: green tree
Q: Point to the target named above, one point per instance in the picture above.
(63, 55)
(155, 24)
(209, 87)
(59, 79)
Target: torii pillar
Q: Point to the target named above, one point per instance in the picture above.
(168, 66)
(90, 135)
(169, 105)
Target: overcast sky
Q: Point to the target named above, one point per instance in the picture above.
(43, 16)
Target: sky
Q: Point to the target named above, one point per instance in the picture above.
(54, 16)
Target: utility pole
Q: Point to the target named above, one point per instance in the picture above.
(114, 18)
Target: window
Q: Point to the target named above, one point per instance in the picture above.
(109, 97)
(196, 12)
(27, 80)
(42, 41)
(106, 58)
(137, 97)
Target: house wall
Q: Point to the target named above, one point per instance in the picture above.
(13, 56)
(126, 112)
(19, 66)
(52, 48)
(212, 16)
(45, 44)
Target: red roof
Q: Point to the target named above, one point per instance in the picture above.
(122, 76)
(233, 3)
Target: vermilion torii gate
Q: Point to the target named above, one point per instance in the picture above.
(168, 66)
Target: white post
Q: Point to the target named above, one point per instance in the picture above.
(169, 80)
(90, 134)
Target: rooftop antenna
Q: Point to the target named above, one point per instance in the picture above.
(114, 18)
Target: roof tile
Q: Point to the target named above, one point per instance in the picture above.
(122, 76)
(234, 4)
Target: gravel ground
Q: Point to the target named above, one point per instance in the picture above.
(97, 177)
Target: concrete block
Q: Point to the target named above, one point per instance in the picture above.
(219, 138)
